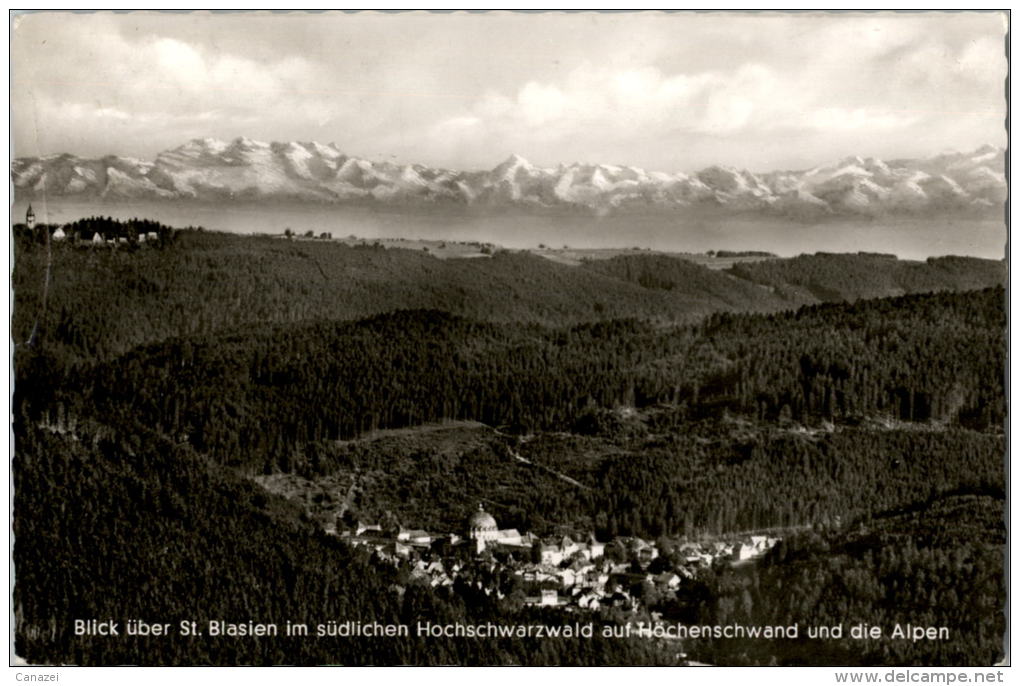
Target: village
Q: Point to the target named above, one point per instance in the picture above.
(96, 232)
(627, 573)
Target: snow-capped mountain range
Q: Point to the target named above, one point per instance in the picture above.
(243, 169)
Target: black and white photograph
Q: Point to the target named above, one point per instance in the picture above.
(509, 338)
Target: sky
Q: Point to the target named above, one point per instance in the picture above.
(670, 92)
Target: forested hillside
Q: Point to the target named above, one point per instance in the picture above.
(673, 274)
(828, 277)
(640, 396)
(938, 564)
(93, 304)
(131, 526)
(252, 397)
(659, 479)
(101, 303)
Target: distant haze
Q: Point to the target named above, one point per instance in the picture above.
(905, 237)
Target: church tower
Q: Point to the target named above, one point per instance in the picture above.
(30, 218)
(482, 528)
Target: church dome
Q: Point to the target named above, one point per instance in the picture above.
(481, 521)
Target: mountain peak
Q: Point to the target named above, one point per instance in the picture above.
(205, 143)
(247, 143)
(513, 162)
(510, 167)
(213, 169)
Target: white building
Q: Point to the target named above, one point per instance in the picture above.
(482, 528)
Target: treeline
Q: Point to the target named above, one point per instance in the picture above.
(130, 526)
(881, 571)
(741, 253)
(100, 304)
(833, 277)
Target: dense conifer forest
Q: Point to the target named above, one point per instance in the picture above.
(938, 563)
(100, 303)
(856, 402)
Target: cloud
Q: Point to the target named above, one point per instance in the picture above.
(655, 90)
(611, 100)
(157, 88)
(889, 83)
(753, 99)
(843, 119)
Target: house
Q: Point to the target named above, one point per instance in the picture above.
(97, 238)
(743, 551)
(551, 554)
(363, 528)
(59, 234)
(509, 537)
(568, 577)
(414, 536)
(549, 597)
(763, 543)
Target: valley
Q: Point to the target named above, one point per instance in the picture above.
(198, 416)
(486, 338)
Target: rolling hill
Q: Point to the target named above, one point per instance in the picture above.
(102, 303)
